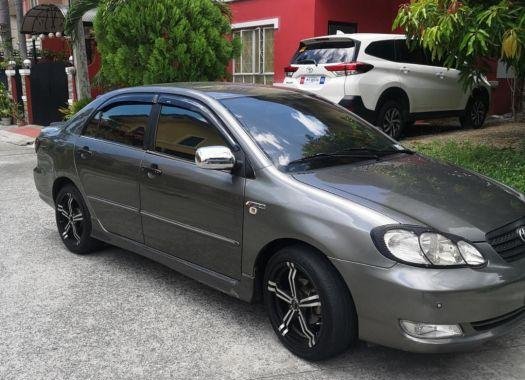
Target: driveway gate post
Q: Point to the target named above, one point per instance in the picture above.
(71, 84)
(11, 83)
(26, 94)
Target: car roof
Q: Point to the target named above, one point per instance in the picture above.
(215, 90)
(364, 37)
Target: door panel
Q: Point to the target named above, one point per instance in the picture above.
(189, 212)
(457, 98)
(109, 176)
(427, 85)
(108, 157)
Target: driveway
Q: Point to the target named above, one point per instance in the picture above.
(116, 315)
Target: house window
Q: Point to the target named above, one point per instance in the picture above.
(345, 27)
(255, 65)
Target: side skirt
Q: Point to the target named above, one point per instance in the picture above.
(242, 289)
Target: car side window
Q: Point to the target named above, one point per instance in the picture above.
(124, 123)
(404, 54)
(180, 132)
(417, 56)
(381, 49)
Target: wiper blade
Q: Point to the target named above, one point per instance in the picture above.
(332, 155)
(306, 61)
(376, 151)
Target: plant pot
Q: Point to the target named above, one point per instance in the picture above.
(5, 121)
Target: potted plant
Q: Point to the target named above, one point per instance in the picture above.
(17, 113)
(6, 106)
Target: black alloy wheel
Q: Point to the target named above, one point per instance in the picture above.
(392, 118)
(74, 221)
(475, 113)
(308, 304)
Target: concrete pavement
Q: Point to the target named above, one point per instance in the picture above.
(114, 314)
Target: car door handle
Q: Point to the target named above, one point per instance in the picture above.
(440, 75)
(152, 171)
(85, 153)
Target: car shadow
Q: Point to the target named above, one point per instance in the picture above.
(253, 316)
(426, 128)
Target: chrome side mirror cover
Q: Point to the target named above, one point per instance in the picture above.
(215, 158)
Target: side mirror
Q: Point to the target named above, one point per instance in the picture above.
(215, 158)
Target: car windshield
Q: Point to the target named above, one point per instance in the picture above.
(298, 132)
(325, 53)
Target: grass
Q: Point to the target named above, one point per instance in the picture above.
(506, 165)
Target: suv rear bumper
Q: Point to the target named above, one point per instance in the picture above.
(355, 104)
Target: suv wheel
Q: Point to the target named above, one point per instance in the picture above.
(475, 113)
(309, 305)
(74, 221)
(392, 118)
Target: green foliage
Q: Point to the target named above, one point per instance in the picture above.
(465, 34)
(73, 109)
(506, 165)
(6, 104)
(163, 41)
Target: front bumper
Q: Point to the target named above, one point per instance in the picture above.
(486, 303)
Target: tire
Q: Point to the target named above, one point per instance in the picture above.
(475, 113)
(320, 321)
(392, 118)
(74, 221)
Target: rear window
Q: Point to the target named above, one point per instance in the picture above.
(325, 52)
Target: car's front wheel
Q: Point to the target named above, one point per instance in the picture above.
(475, 113)
(308, 303)
(74, 221)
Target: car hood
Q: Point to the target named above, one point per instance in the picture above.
(439, 195)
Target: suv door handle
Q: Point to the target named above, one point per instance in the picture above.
(85, 153)
(152, 171)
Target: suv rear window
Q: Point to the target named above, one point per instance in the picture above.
(325, 52)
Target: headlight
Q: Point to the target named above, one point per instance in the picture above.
(423, 247)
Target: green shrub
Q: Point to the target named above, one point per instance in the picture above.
(74, 108)
(144, 42)
(506, 165)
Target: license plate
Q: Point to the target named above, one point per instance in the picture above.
(310, 80)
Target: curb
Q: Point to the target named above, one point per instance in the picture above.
(15, 138)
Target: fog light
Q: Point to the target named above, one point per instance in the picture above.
(430, 331)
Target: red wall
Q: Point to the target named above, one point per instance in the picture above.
(295, 23)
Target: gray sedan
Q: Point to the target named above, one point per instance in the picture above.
(265, 193)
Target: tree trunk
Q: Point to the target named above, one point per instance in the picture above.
(22, 43)
(5, 29)
(81, 65)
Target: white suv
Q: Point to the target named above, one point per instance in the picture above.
(379, 78)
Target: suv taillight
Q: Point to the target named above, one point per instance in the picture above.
(352, 68)
(289, 70)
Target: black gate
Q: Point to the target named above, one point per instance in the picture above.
(49, 91)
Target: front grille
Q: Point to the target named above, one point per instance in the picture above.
(499, 321)
(507, 242)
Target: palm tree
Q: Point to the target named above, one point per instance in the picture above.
(5, 29)
(22, 44)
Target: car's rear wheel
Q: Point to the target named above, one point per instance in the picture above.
(475, 113)
(74, 221)
(392, 118)
(309, 305)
